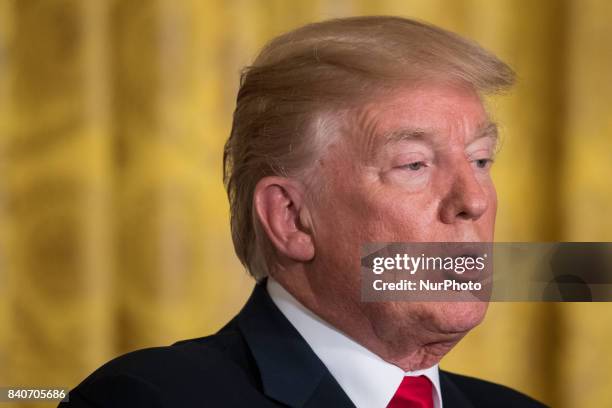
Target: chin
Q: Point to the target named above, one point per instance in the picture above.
(431, 323)
(418, 335)
(456, 317)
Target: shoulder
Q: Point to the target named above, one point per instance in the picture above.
(183, 359)
(483, 393)
(176, 375)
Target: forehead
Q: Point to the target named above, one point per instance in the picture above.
(449, 112)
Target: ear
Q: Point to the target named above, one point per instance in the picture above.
(279, 205)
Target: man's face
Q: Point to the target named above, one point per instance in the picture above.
(411, 167)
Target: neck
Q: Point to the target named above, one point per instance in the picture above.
(405, 343)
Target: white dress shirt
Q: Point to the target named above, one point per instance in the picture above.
(368, 380)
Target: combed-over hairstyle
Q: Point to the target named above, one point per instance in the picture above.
(302, 75)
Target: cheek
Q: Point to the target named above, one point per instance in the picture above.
(404, 218)
(338, 215)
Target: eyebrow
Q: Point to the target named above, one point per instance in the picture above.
(486, 129)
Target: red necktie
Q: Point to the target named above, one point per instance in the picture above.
(413, 392)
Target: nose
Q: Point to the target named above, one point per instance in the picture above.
(466, 199)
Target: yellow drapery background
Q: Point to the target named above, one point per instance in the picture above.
(113, 220)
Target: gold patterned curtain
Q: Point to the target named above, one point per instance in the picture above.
(114, 229)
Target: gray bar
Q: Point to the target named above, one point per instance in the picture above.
(480, 271)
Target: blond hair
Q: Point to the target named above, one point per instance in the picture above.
(305, 75)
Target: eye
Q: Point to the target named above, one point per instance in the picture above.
(414, 166)
(483, 163)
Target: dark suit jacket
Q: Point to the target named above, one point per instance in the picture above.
(257, 360)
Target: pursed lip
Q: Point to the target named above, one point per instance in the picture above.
(473, 250)
(473, 274)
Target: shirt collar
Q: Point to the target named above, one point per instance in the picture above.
(367, 379)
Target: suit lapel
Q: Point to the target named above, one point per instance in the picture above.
(291, 372)
(452, 397)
